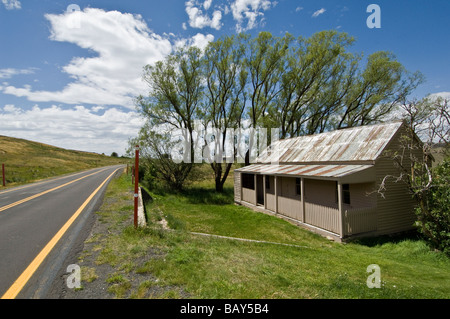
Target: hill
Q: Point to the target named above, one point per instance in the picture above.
(27, 161)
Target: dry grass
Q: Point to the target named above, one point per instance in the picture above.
(26, 161)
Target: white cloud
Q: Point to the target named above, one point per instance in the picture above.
(197, 19)
(298, 9)
(10, 108)
(124, 44)
(444, 95)
(207, 4)
(77, 128)
(10, 72)
(12, 4)
(199, 40)
(249, 11)
(318, 12)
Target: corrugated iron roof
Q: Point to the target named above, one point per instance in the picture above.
(364, 143)
(304, 170)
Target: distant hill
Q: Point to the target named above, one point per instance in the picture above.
(26, 161)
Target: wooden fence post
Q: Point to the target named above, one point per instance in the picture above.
(136, 186)
(3, 174)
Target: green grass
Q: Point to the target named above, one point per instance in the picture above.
(220, 268)
(155, 263)
(26, 161)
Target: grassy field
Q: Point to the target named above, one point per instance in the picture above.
(154, 262)
(26, 161)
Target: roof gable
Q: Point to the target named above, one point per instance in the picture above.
(363, 143)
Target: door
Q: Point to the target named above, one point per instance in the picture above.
(260, 189)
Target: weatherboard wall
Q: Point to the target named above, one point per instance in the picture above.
(237, 187)
(368, 213)
(396, 208)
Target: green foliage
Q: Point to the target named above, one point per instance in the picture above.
(150, 175)
(434, 218)
(174, 100)
(302, 86)
(429, 120)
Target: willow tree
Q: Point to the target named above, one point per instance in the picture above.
(173, 103)
(377, 90)
(317, 75)
(265, 61)
(224, 93)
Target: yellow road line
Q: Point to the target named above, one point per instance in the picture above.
(46, 192)
(18, 285)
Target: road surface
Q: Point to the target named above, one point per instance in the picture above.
(39, 224)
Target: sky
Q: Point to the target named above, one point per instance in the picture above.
(70, 70)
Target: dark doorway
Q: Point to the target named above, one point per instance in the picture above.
(260, 190)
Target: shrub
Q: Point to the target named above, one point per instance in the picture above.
(434, 217)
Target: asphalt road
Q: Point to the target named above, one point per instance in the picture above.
(40, 223)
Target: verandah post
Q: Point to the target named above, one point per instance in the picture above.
(302, 194)
(341, 210)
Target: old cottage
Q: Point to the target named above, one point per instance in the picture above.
(327, 182)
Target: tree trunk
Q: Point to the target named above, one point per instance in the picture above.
(219, 179)
(219, 186)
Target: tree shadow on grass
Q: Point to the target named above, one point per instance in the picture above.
(203, 195)
(412, 235)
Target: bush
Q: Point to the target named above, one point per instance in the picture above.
(434, 218)
(148, 176)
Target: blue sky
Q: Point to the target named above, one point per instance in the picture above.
(69, 79)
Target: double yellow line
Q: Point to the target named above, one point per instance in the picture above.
(18, 285)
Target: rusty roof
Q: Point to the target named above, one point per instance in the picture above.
(304, 170)
(364, 143)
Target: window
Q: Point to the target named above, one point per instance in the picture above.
(336, 193)
(298, 187)
(346, 193)
(248, 181)
(267, 182)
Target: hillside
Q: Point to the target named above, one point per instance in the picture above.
(27, 161)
